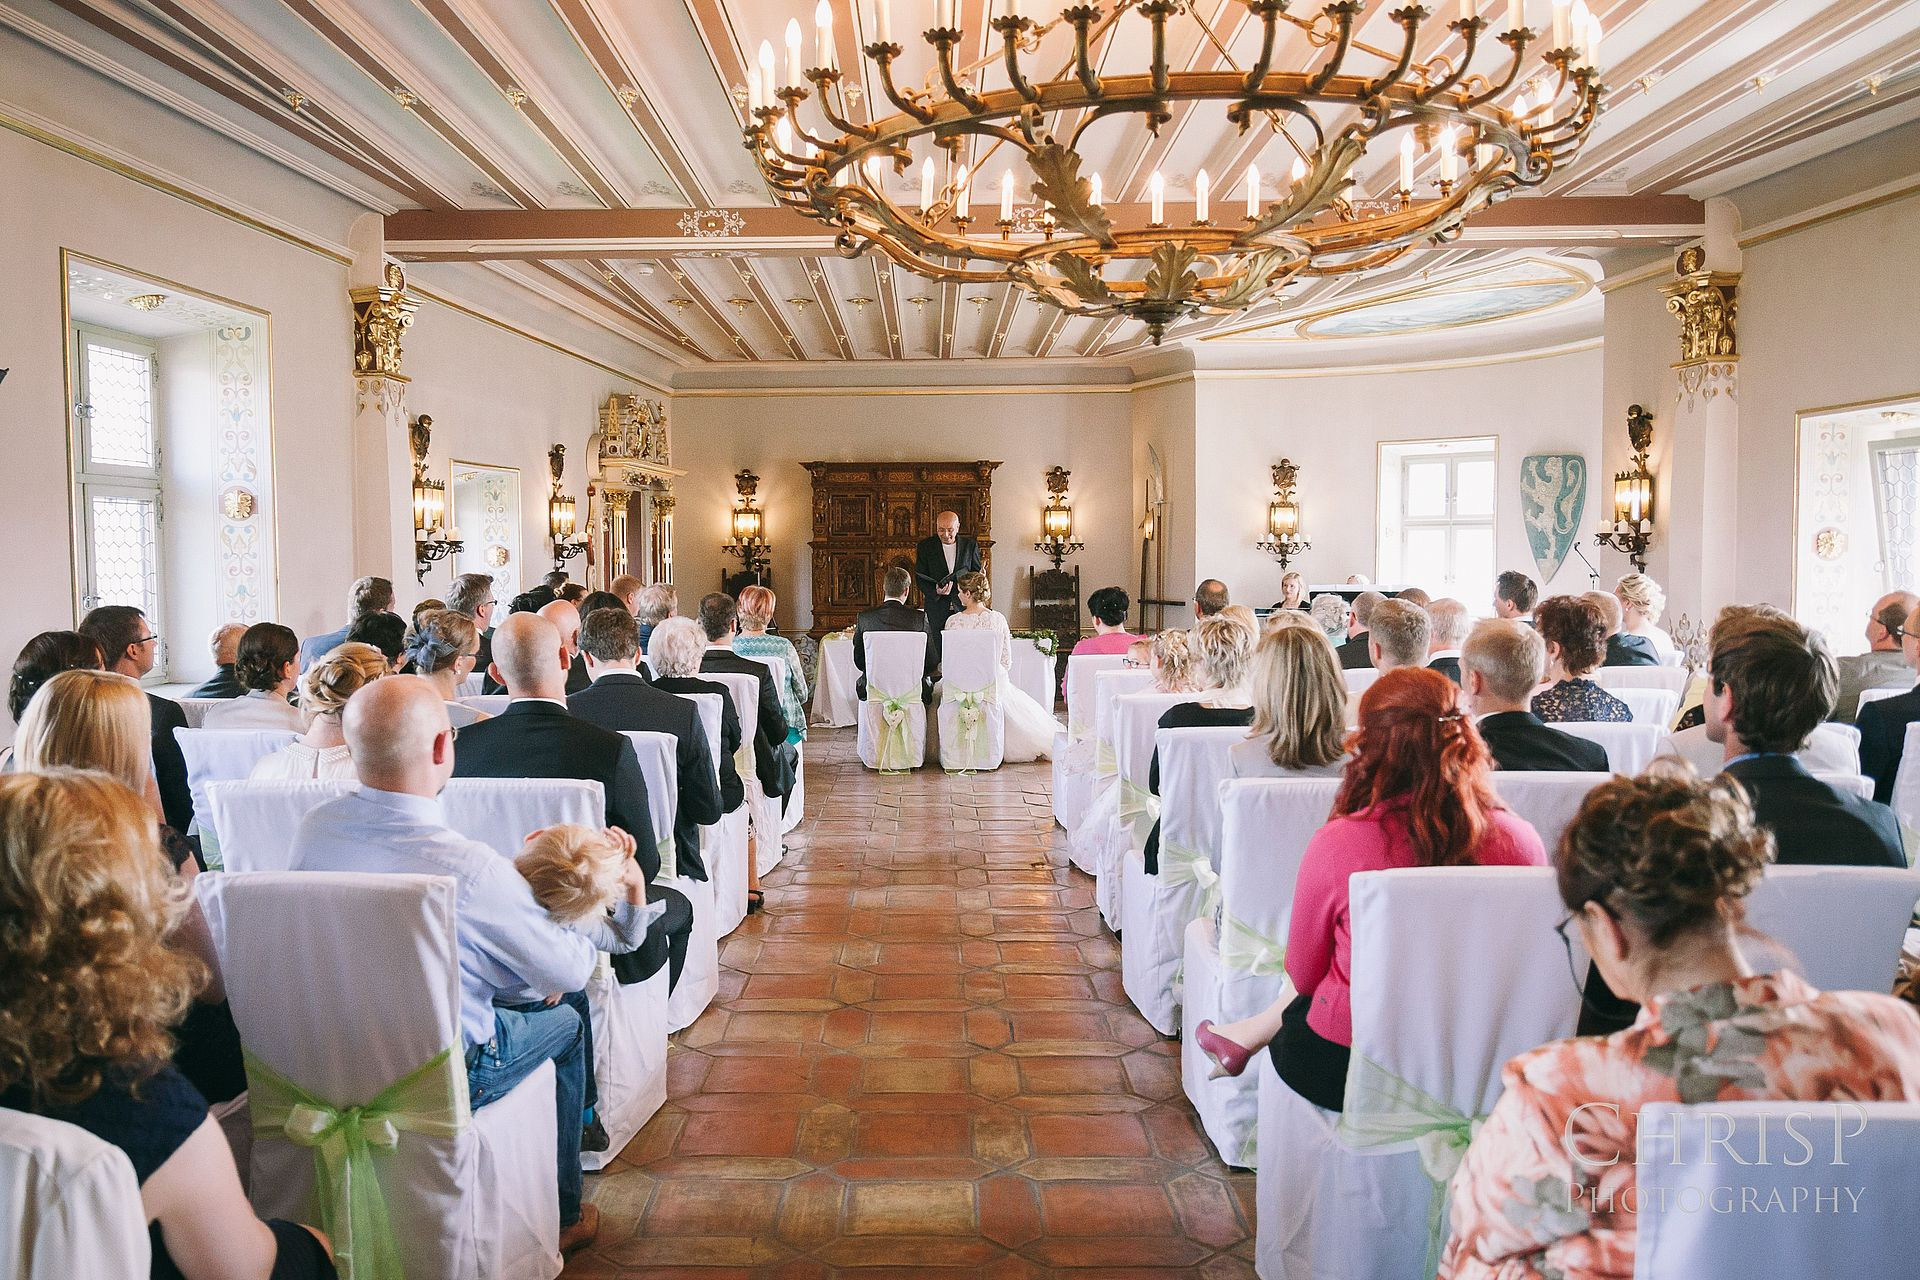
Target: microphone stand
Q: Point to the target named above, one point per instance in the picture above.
(1593, 574)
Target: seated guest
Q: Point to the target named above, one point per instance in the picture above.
(1885, 664)
(444, 648)
(1413, 596)
(618, 699)
(86, 908)
(386, 632)
(565, 618)
(224, 644)
(719, 618)
(429, 605)
(1299, 709)
(42, 658)
(1575, 633)
(1416, 793)
(321, 752)
(1108, 606)
(755, 641)
(1883, 723)
(1448, 622)
(1209, 598)
(1244, 615)
(600, 600)
(893, 613)
(472, 595)
(267, 666)
(402, 748)
(1293, 592)
(656, 603)
(1398, 635)
(1354, 654)
(1175, 662)
(626, 589)
(129, 646)
(1223, 646)
(366, 596)
(1654, 872)
(573, 593)
(676, 670)
(1623, 650)
(1514, 595)
(1641, 601)
(1330, 612)
(1501, 666)
(1770, 683)
(99, 720)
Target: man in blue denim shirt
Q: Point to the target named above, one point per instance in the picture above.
(402, 749)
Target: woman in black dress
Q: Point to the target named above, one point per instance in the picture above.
(1576, 634)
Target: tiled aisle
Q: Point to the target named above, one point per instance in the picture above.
(921, 1058)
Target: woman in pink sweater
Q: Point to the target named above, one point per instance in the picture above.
(1415, 794)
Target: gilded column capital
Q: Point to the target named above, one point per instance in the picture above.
(1708, 309)
(381, 314)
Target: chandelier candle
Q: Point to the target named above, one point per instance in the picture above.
(1035, 91)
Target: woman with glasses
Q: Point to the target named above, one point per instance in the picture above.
(321, 752)
(1417, 792)
(1654, 872)
(444, 648)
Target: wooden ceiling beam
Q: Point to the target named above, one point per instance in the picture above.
(770, 305)
(889, 305)
(639, 303)
(822, 287)
(691, 288)
(624, 82)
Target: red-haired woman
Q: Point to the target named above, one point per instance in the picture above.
(1415, 794)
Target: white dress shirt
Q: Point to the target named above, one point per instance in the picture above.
(260, 709)
(508, 945)
(950, 550)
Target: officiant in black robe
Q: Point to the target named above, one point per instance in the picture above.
(937, 561)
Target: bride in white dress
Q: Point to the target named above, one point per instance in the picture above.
(1029, 726)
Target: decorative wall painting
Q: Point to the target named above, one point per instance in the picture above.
(1553, 493)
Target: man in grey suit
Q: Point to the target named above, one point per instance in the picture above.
(892, 614)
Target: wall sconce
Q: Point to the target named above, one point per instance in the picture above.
(1631, 529)
(560, 512)
(429, 505)
(1283, 541)
(1056, 520)
(749, 526)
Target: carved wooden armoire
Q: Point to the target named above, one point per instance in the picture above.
(868, 515)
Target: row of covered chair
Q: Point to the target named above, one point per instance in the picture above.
(967, 731)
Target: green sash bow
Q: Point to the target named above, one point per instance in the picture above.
(1382, 1110)
(431, 1100)
(743, 761)
(1183, 865)
(1245, 948)
(669, 856)
(1105, 762)
(894, 751)
(970, 716)
(1139, 810)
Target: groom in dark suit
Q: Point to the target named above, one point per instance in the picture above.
(937, 561)
(891, 614)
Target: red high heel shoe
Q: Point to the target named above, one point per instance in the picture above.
(1229, 1059)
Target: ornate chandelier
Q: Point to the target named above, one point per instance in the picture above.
(1486, 135)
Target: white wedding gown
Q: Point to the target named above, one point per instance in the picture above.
(1029, 726)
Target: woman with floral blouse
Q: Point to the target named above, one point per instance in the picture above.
(1576, 634)
(1654, 872)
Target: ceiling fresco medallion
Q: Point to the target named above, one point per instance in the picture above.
(711, 224)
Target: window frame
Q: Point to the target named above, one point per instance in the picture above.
(1394, 460)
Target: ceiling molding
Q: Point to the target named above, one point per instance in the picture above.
(477, 313)
(1860, 202)
(597, 46)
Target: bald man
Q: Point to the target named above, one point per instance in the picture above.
(537, 737)
(565, 616)
(1883, 665)
(937, 561)
(403, 754)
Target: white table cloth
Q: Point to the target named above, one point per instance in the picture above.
(836, 705)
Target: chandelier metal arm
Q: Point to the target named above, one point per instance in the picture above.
(1011, 29)
(1157, 12)
(793, 98)
(1517, 40)
(1268, 11)
(822, 77)
(1343, 13)
(943, 39)
(1082, 17)
(1409, 20)
(883, 55)
(1468, 29)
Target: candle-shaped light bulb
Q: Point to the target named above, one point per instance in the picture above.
(1006, 195)
(1013, 8)
(1157, 194)
(926, 184)
(1521, 110)
(1562, 22)
(874, 173)
(1253, 192)
(755, 100)
(783, 134)
(766, 73)
(1099, 196)
(1483, 155)
(1201, 191)
(1469, 10)
(823, 55)
(1449, 154)
(1406, 162)
(1299, 170)
(883, 21)
(943, 13)
(962, 193)
(1593, 40)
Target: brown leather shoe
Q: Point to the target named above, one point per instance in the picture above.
(582, 1233)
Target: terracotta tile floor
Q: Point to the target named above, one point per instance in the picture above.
(921, 1059)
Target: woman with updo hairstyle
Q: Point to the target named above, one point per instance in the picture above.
(1108, 606)
(266, 666)
(321, 752)
(443, 648)
(1642, 601)
(1654, 872)
(1417, 792)
(89, 990)
(1575, 631)
(42, 658)
(1029, 727)
(1174, 662)
(755, 640)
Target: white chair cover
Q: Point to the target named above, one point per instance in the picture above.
(259, 818)
(1073, 754)
(71, 1206)
(763, 810)
(1033, 671)
(195, 709)
(1156, 909)
(1547, 800)
(1613, 679)
(1359, 680)
(1874, 695)
(1833, 748)
(487, 704)
(896, 662)
(1235, 957)
(1854, 783)
(1347, 1195)
(1906, 781)
(629, 1055)
(300, 951)
(700, 977)
(1861, 1164)
(723, 845)
(473, 686)
(1136, 718)
(1100, 825)
(223, 755)
(796, 803)
(1629, 747)
(1841, 927)
(1650, 706)
(973, 724)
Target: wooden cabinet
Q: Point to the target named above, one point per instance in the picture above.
(869, 515)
